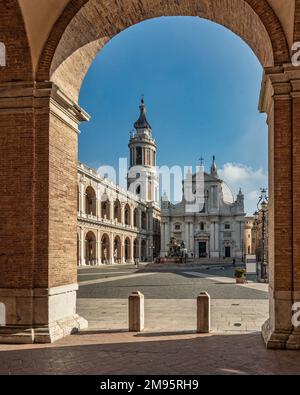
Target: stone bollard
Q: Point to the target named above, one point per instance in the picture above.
(203, 313)
(136, 312)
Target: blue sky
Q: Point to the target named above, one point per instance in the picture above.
(201, 84)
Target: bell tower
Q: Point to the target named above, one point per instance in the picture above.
(142, 175)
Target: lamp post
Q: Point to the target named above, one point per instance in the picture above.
(151, 249)
(262, 207)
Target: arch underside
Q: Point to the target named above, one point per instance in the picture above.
(97, 22)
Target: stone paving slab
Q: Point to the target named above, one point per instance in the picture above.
(150, 353)
(176, 314)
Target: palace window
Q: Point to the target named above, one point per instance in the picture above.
(227, 226)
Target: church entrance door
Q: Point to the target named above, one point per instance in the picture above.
(227, 252)
(202, 249)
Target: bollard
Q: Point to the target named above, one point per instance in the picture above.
(203, 313)
(136, 312)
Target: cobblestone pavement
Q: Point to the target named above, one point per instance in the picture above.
(145, 353)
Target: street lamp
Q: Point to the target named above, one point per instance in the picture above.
(262, 207)
(152, 248)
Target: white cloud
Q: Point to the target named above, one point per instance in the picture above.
(237, 175)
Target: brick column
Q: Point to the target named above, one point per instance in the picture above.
(283, 109)
(38, 186)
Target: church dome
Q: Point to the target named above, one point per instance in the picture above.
(228, 196)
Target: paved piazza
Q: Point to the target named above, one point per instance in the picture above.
(169, 344)
(170, 298)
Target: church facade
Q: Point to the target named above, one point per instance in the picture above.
(212, 229)
(118, 225)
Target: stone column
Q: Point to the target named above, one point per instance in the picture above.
(82, 247)
(123, 249)
(99, 250)
(112, 210)
(192, 239)
(38, 269)
(140, 248)
(82, 196)
(123, 213)
(132, 249)
(131, 216)
(111, 245)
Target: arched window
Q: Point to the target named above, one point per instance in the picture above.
(202, 226)
(90, 201)
(136, 251)
(144, 221)
(127, 250)
(105, 249)
(90, 248)
(117, 210)
(138, 190)
(117, 250)
(136, 218)
(127, 215)
(177, 227)
(105, 209)
(144, 250)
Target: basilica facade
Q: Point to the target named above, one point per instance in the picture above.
(119, 225)
(212, 228)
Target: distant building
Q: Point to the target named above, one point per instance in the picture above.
(249, 246)
(213, 232)
(117, 225)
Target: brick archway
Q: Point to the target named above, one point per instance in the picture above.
(67, 48)
(42, 114)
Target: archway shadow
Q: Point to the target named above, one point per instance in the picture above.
(125, 353)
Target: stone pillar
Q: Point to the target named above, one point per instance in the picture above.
(140, 248)
(203, 313)
(217, 239)
(123, 249)
(132, 216)
(136, 312)
(280, 101)
(132, 249)
(111, 244)
(192, 239)
(82, 196)
(112, 210)
(38, 269)
(162, 238)
(123, 213)
(99, 249)
(82, 248)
